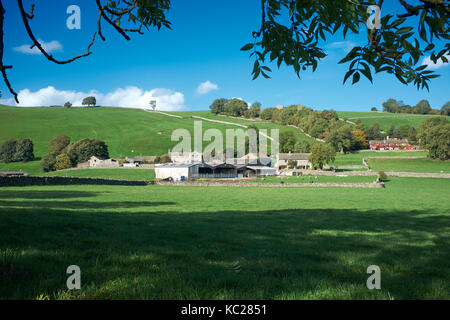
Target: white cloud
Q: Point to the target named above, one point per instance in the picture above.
(431, 65)
(206, 87)
(129, 97)
(47, 46)
(347, 46)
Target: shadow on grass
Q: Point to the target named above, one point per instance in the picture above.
(282, 254)
(38, 194)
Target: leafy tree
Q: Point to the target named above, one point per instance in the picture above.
(83, 150)
(329, 114)
(7, 151)
(287, 141)
(24, 150)
(68, 105)
(374, 109)
(58, 144)
(294, 33)
(266, 114)
(17, 150)
(360, 139)
(89, 101)
(445, 110)
(391, 105)
(302, 146)
(62, 162)
(153, 104)
(48, 163)
(255, 110)
(321, 154)
(374, 132)
(422, 107)
(235, 107)
(341, 139)
(434, 135)
(412, 135)
(218, 106)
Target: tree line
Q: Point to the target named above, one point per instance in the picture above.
(422, 107)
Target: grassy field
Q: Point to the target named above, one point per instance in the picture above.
(117, 174)
(317, 179)
(355, 159)
(409, 165)
(385, 119)
(160, 242)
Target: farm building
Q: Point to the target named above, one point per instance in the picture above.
(260, 171)
(186, 157)
(217, 171)
(177, 171)
(95, 162)
(390, 144)
(301, 160)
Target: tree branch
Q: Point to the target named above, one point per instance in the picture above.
(2, 66)
(26, 17)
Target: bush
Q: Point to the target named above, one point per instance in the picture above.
(83, 150)
(163, 159)
(7, 151)
(63, 162)
(58, 143)
(17, 150)
(48, 163)
(382, 176)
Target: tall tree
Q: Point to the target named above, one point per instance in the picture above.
(321, 154)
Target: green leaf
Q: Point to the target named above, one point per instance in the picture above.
(247, 47)
(356, 77)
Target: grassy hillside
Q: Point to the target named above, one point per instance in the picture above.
(124, 130)
(385, 119)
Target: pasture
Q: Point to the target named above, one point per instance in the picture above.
(409, 165)
(385, 119)
(166, 242)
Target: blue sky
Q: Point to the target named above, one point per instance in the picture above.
(169, 66)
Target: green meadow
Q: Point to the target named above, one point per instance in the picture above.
(409, 165)
(117, 174)
(385, 119)
(166, 242)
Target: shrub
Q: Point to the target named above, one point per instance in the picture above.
(83, 150)
(63, 162)
(382, 176)
(17, 150)
(58, 143)
(7, 151)
(48, 163)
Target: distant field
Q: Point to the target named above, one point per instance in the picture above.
(355, 159)
(165, 242)
(385, 119)
(260, 124)
(317, 179)
(117, 174)
(127, 132)
(409, 165)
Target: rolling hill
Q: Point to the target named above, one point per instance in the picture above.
(127, 132)
(385, 119)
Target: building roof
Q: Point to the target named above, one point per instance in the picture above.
(175, 165)
(294, 156)
(387, 141)
(261, 168)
